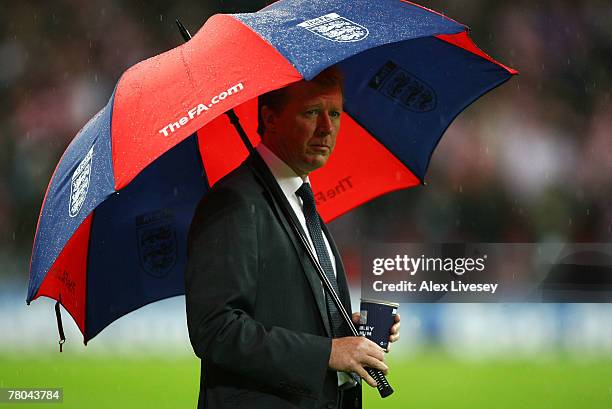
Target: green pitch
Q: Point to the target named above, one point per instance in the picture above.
(429, 380)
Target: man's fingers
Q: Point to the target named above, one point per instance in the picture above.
(376, 352)
(371, 348)
(353, 354)
(376, 364)
(394, 331)
(366, 377)
(355, 317)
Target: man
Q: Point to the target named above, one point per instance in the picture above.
(257, 313)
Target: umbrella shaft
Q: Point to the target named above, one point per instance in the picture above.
(243, 136)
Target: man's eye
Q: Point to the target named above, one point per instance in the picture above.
(312, 112)
(334, 114)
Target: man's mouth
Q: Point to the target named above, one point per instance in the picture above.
(320, 148)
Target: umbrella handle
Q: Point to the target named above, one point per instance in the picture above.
(270, 184)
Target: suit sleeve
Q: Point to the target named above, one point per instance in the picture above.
(221, 289)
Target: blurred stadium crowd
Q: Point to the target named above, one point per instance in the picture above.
(532, 161)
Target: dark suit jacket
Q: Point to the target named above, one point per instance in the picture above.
(256, 311)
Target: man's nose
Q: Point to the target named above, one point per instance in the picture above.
(325, 124)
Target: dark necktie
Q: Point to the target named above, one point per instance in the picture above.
(313, 224)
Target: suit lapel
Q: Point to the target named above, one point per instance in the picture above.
(309, 269)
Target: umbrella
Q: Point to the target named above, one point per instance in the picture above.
(111, 235)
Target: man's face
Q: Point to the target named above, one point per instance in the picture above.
(303, 132)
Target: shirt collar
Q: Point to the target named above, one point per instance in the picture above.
(287, 179)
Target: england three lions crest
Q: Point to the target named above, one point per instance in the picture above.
(157, 247)
(79, 185)
(406, 89)
(334, 27)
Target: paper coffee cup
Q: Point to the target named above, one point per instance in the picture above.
(375, 320)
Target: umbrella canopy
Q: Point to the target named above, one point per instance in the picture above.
(111, 235)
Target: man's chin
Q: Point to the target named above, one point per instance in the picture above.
(314, 162)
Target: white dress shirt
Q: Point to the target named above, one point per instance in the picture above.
(289, 183)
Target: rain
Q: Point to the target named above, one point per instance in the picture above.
(531, 162)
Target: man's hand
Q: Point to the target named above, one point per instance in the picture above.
(353, 354)
(393, 332)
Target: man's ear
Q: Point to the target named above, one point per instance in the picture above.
(269, 118)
